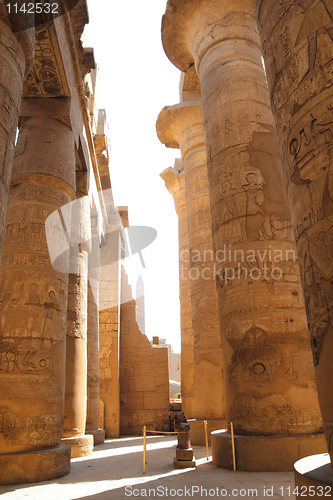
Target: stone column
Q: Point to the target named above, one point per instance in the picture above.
(33, 307)
(93, 405)
(297, 42)
(175, 184)
(182, 126)
(17, 52)
(269, 379)
(76, 334)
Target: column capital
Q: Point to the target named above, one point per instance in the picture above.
(181, 126)
(175, 183)
(191, 27)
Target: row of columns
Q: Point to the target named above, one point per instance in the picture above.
(268, 372)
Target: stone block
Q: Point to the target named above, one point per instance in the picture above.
(183, 464)
(81, 446)
(134, 400)
(142, 383)
(156, 401)
(184, 454)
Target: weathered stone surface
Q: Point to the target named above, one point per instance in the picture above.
(34, 295)
(269, 379)
(184, 454)
(35, 466)
(93, 338)
(175, 183)
(81, 446)
(76, 333)
(182, 126)
(98, 435)
(13, 65)
(297, 46)
(109, 331)
(270, 453)
(145, 403)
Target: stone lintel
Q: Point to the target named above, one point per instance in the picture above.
(264, 453)
(175, 125)
(191, 27)
(35, 466)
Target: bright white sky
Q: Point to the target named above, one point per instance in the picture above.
(136, 81)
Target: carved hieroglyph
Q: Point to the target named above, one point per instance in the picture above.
(182, 126)
(76, 333)
(261, 311)
(14, 59)
(33, 301)
(175, 183)
(297, 40)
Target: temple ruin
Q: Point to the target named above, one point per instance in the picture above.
(252, 189)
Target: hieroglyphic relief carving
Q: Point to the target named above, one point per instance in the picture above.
(33, 431)
(45, 79)
(316, 257)
(278, 417)
(258, 357)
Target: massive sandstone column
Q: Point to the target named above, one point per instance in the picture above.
(297, 43)
(269, 379)
(93, 406)
(181, 126)
(33, 307)
(175, 184)
(16, 56)
(76, 333)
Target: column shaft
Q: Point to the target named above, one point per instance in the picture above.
(261, 306)
(269, 379)
(297, 45)
(93, 405)
(76, 333)
(13, 60)
(175, 182)
(33, 307)
(182, 125)
(186, 326)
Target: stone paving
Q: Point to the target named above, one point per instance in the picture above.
(114, 471)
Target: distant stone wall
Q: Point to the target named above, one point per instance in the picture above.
(144, 379)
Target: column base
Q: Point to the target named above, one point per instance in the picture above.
(81, 446)
(315, 471)
(197, 430)
(35, 466)
(99, 436)
(264, 453)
